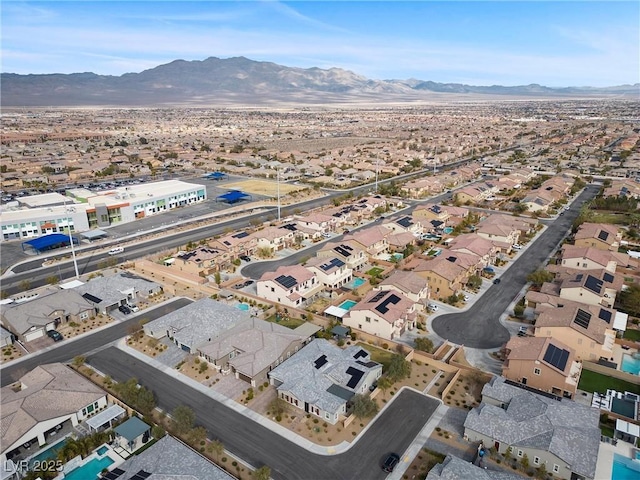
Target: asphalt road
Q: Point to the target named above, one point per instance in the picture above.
(66, 351)
(480, 327)
(393, 430)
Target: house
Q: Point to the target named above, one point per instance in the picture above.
(523, 224)
(384, 313)
(194, 325)
(292, 286)
(595, 287)
(623, 188)
(132, 434)
(350, 252)
(598, 235)
(587, 329)
(322, 378)
(236, 244)
(332, 273)
(372, 240)
(251, 349)
(45, 399)
(423, 187)
(169, 458)
(474, 244)
(431, 211)
(31, 319)
(444, 277)
(107, 293)
(589, 258)
(454, 468)
(475, 193)
(404, 224)
(319, 222)
(202, 260)
(410, 284)
(559, 433)
(398, 242)
(274, 238)
(498, 232)
(542, 363)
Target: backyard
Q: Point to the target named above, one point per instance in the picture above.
(596, 382)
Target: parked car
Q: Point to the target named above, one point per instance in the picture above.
(116, 250)
(433, 307)
(466, 297)
(124, 309)
(326, 235)
(133, 308)
(516, 246)
(390, 462)
(245, 258)
(248, 282)
(55, 335)
(496, 281)
(523, 331)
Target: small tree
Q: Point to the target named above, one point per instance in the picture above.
(197, 435)
(157, 432)
(541, 473)
(262, 473)
(217, 278)
(78, 361)
(217, 447)
(474, 282)
(183, 419)
(525, 462)
(278, 406)
(518, 310)
(384, 383)
(364, 406)
(539, 277)
(399, 368)
(423, 344)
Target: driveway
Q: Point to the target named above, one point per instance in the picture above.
(480, 327)
(257, 444)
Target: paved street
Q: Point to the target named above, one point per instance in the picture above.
(66, 350)
(253, 442)
(480, 327)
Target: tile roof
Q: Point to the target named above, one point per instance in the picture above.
(48, 392)
(389, 305)
(405, 281)
(454, 468)
(565, 428)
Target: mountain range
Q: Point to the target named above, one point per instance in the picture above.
(241, 81)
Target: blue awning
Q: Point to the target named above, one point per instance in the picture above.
(49, 242)
(233, 196)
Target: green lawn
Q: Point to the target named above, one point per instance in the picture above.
(377, 354)
(596, 382)
(632, 335)
(375, 271)
(291, 323)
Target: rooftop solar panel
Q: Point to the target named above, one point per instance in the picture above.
(320, 361)
(91, 298)
(287, 281)
(141, 475)
(603, 235)
(556, 356)
(405, 222)
(378, 296)
(342, 251)
(579, 277)
(605, 315)
(608, 278)
(594, 284)
(335, 262)
(356, 375)
(582, 318)
(384, 306)
(360, 354)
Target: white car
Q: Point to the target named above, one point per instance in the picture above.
(116, 250)
(466, 297)
(326, 235)
(516, 246)
(433, 307)
(134, 308)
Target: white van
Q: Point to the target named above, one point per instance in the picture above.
(116, 250)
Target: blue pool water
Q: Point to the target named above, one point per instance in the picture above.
(243, 306)
(347, 304)
(624, 468)
(49, 454)
(102, 450)
(447, 230)
(355, 283)
(630, 364)
(90, 470)
(398, 256)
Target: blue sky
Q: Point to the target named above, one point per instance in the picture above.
(566, 43)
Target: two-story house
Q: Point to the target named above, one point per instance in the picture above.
(383, 313)
(292, 286)
(351, 253)
(410, 284)
(274, 238)
(598, 235)
(333, 273)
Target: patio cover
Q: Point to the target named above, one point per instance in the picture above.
(628, 428)
(93, 234)
(111, 413)
(336, 311)
(620, 321)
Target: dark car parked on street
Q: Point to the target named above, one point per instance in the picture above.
(124, 309)
(390, 462)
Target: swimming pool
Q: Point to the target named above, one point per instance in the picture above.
(355, 283)
(347, 304)
(49, 454)
(102, 450)
(630, 364)
(243, 306)
(447, 230)
(90, 470)
(624, 468)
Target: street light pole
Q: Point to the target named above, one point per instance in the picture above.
(278, 188)
(73, 250)
(377, 168)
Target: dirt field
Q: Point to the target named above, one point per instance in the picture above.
(265, 187)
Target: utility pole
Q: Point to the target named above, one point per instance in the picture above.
(73, 250)
(278, 188)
